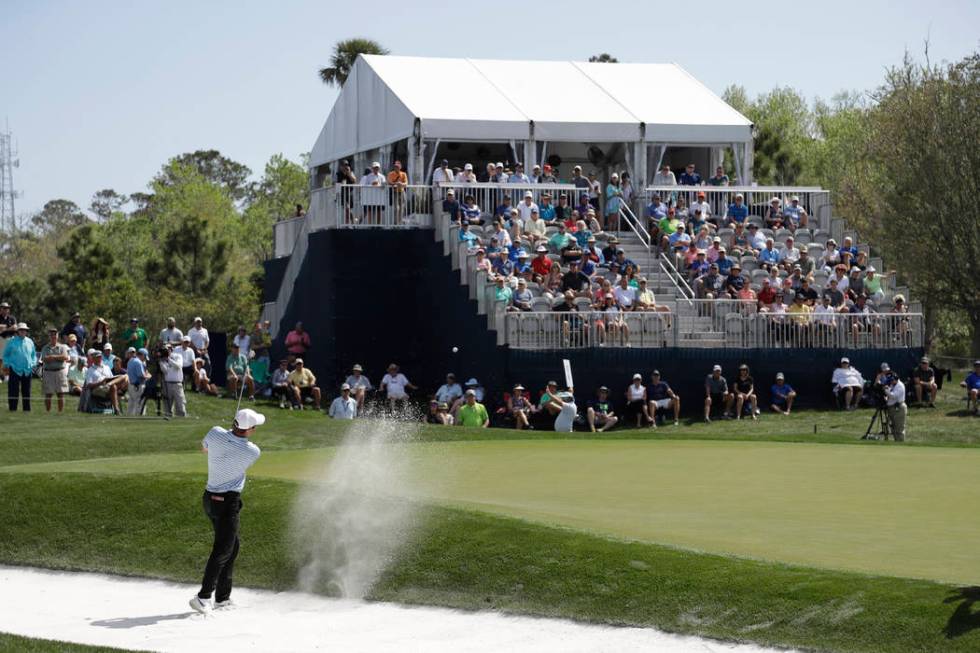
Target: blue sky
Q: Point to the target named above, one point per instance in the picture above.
(100, 94)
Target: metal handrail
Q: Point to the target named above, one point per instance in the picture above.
(626, 215)
(683, 287)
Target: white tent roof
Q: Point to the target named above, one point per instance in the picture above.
(492, 100)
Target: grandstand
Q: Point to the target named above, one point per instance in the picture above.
(329, 263)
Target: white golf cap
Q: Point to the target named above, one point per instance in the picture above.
(198, 319)
(345, 386)
(871, 268)
(247, 418)
(468, 166)
(375, 165)
(716, 368)
(779, 375)
(94, 352)
(22, 326)
(472, 381)
(637, 376)
(107, 347)
(528, 194)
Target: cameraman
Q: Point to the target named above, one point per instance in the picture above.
(894, 401)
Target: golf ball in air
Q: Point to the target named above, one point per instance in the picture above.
(455, 350)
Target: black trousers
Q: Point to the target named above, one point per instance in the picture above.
(19, 385)
(222, 510)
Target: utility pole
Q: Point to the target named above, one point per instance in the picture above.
(8, 219)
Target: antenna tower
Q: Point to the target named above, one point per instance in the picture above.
(8, 161)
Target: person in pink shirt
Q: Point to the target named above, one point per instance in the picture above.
(297, 342)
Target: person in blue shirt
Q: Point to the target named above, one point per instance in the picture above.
(782, 395)
(661, 398)
(689, 177)
(467, 236)
(769, 256)
(656, 209)
(679, 239)
(849, 248)
(737, 211)
(471, 211)
(138, 376)
(451, 206)
(20, 357)
(503, 211)
(972, 385)
(723, 262)
(546, 210)
(521, 266)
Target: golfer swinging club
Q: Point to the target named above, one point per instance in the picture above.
(229, 454)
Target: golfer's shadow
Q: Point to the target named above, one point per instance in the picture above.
(136, 622)
(965, 617)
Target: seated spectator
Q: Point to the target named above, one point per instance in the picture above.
(535, 229)
(576, 281)
(76, 376)
(522, 266)
(735, 282)
(344, 406)
(572, 325)
(807, 264)
(600, 412)
(280, 385)
(924, 380)
(701, 204)
(636, 402)
(521, 298)
(832, 293)
(794, 215)
(972, 385)
(502, 212)
(611, 321)
(774, 214)
(848, 385)
(872, 285)
(472, 413)
(848, 248)
(138, 375)
(359, 385)
(782, 395)
(756, 238)
(238, 375)
(744, 392)
(546, 402)
(824, 322)
(789, 254)
(737, 210)
(547, 211)
(396, 385)
(807, 291)
(710, 285)
(471, 212)
(520, 408)
(451, 207)
(766, 296)
(769, 257)
(502, 293)
(855, 284)
(100, 382)
(662, 398)
(202, 383)
(482, 262)
(699, 266)
(561, 240)
(831, 257)
(449, 391)
(716, 393)
(677, 241)
(862, 320)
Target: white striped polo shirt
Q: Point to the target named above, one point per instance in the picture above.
(228, 458)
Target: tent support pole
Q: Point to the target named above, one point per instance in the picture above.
(748, 156)
(432, 160)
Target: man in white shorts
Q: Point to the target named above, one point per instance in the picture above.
(566, 416)
(396, 384)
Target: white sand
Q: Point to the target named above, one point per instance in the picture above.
(154, 615)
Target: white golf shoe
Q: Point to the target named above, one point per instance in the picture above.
(227, 604)
(200, 605)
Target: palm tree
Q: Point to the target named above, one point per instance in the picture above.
(342, 59)
(605, 57)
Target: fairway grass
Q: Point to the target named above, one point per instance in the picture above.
(866, 509)
(150, 525)
(32, 645)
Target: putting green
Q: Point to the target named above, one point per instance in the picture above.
(889, 510)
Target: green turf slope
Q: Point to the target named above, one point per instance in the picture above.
(883, 510)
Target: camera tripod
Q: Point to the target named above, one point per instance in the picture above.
(884, 428)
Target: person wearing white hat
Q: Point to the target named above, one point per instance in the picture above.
(716, 392)
(373, 197)
(794, 214)
(230, 454)
(848, 384)
(100, 382)
(344, 406)
(359, 384)
(55, 361)
(19, 358)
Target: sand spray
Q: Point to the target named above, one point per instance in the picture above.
(349, 525)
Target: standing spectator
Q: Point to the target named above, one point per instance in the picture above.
(242, 340)
(745, 392)
(636, 401)
(54, 372)
(200, 340)
(662, 398)
(443, 174)
(398, 182)
(897, 409)
(395, 384)
(99, 381)
(297, 342)
(100, 335)
(187, 357)
(260, 342)
(303, 383)
(174, 400)
(689, 177)
(237, 372)
(372, 194)
(547, 176)
(280, 384)
(135, 336)
(595, 190)
(449, 391)
(924, 379)
(7, 331)
(972, 385)
(614, 200)
(719, 178)
(345, 178)
(344, 406)
(782, 395)
(19, 358)
(171, 335)
(518, 177)
(138, 375)
(664, 177)
(360, 386)
(600, 412)
(76, 327)
(848, 384)
(472, 413)
(520, 408)
(716, 393)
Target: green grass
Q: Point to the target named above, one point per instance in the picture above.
(31, 645)
(40, 437)
(867, 509)
(151, 525)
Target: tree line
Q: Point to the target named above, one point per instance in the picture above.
(193, 244)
